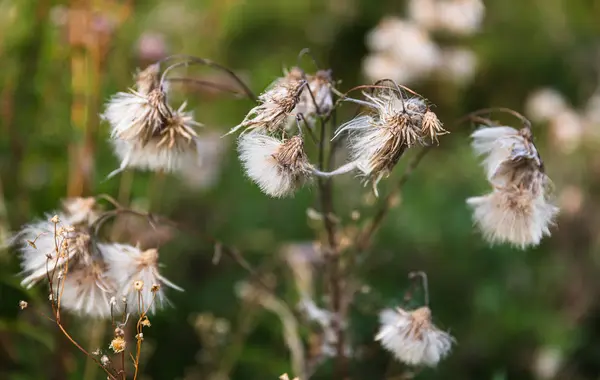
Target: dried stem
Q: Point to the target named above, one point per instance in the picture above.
(364, 238)
(110, 375)
(209, 63)
(332, 257)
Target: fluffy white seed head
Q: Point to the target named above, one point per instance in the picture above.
(39, 242)
(277, 103)
(516, 215)
(378, 139)
(171, 148)
(127, 264)
(518, 210)
(279, 168)
(507, 153)
(412, 338)
(88, 291)
(136, 116)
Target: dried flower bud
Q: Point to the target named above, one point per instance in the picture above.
(55, 219)
(113, 301)
(138, 285)
(145, 322)
(119, 332)
(155, 288)
(23, 305)
(117, 344)
(140, 336)
(432, 126)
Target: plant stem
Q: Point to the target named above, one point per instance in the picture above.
(364, 238)
(332, 258)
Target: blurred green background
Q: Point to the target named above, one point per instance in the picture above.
(516, 315)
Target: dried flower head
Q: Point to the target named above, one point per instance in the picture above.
(169, 147)
(412, 338)
(518, 210)
(87, 290)
(118, 344)
(135, 115)
(279, 168)
(393, 124)
(23, 305)
(432, 126)
(277, 102)
(55, 219)
(138, 285)
(145, 322)
(316, 97)
(128, 265)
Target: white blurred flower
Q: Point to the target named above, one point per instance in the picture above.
(424, 13)
(204, 173)
(409, 46)
(461, 17)
(567, 129)
(545, 104)
(592, 111)
(458, 64)
(547, 362)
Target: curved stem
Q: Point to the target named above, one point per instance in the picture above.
(524, 120)
(424, 282)
(306, 51)
(364, 238)
(205, 83)
(346, 168)
(209, 63)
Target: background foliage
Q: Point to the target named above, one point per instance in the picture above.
(515, 314)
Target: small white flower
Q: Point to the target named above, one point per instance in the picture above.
(412, 338)
(279, 168)
(128, 265)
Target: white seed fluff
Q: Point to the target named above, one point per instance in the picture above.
(412, 338)
(279, 168)
(128, 264)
